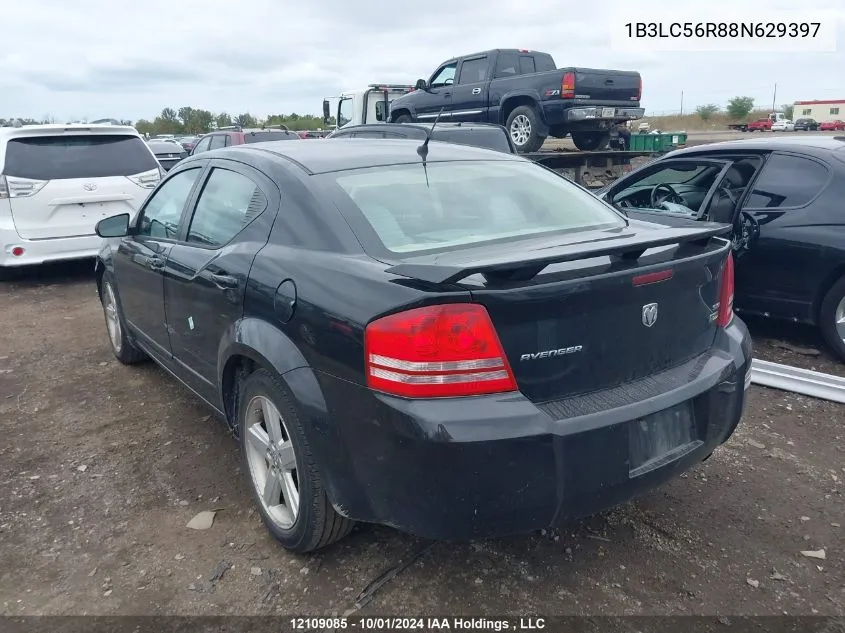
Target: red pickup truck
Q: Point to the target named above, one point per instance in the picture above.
(760, 125)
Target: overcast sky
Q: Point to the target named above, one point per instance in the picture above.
(99, 58)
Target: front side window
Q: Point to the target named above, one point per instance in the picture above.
(344, 112)
(445, 76)
(77, 156)
(787, 181)
(448, 205)
(160, 217)
(474, 70)
(677, 187)
(228, 202)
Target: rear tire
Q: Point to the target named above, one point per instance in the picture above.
(283, 478)
(590, 141)
(403, 118)
(523, 125)
(122, 346)
(833, 310)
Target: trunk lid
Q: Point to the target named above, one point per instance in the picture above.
(606, 85)
(616, 313)
(70, 208)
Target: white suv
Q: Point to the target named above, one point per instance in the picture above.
(58, 181)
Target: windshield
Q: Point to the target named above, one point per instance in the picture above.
(413, 209)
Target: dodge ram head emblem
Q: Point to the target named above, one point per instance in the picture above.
(649, 314)
(89, 186)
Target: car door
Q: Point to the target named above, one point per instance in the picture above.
(428, 103)
(777, 272)
(672, 187)
(139, 259)
(469, 94)
(206, 271)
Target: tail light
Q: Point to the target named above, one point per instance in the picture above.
(726, 294)
(567, 86)
(148, 179)
(441, 351)
(20, 187)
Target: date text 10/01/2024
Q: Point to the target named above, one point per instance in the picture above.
(456, 623)
(722, 29)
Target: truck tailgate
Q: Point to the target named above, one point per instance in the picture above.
(606, 85)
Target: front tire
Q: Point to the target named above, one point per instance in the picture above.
(122, 347)
(284, 480)
(403, 118)
(590, 141)
(832, 318)
(523, 125)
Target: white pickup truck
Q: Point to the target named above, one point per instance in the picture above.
(370, 105)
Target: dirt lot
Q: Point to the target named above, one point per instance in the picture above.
(102, 466)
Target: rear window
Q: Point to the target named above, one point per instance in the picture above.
(487, 138)
(72, 156)
(414, 209)
(278, 135)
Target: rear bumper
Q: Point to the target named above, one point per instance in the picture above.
(495, 465)
(44, 251)
(588, 117)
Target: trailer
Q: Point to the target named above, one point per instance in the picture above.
(591, 169)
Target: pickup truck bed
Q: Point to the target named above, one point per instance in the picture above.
(523, 91)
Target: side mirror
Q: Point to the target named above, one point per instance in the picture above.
(326, 112)
(115, 226)
(421, 85)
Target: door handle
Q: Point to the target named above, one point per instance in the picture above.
(223, 281)
(447, 94)
(476, 91)
(155, 263)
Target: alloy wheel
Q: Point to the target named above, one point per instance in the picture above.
(112, 317)
(520, 130)
(272, 462)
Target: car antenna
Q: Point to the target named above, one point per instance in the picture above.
(422, 150)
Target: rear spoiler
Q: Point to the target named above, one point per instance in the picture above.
(519, 265)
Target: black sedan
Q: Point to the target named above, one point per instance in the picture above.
(449, 340)
(167, 152)
(783, 198)
(806, 125)
(486, 135)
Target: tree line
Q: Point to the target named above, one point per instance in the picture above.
(187, 120)
(738, 108)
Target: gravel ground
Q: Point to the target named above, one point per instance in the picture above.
(102, 466)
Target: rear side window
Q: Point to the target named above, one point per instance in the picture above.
(228, 202)
(473, 70)
(77, 156)
(526, 65)
(543, 62)
(506, 65)
(787, 181)
(276, 135)
(414, 208)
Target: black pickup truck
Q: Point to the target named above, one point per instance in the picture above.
(525, 92)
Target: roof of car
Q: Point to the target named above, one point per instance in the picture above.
(49, 129)
(357, 153)
(824, 143)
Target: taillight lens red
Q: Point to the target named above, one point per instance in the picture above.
(438, 351)
(567, 86)
(726, 294)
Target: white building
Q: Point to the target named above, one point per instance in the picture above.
(821, 111)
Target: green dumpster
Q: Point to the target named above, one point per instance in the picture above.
(663, 142)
